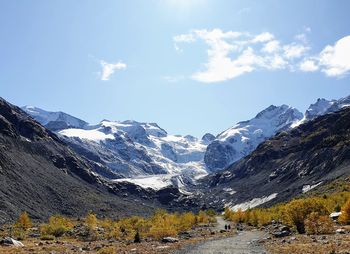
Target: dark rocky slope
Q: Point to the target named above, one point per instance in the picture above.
(313, 153)
(41, 175)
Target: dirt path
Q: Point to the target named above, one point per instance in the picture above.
(246, 242)
(220, 223)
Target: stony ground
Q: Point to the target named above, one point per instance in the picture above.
(304, 244)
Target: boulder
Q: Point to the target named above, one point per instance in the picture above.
(8, 241)
(279, 234)
(170, 240)
(284, 228)
(340, 231)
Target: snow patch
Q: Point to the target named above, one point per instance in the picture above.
(155, 182)
(309, 187)
(253, 203)
(92, 135)
(229, 190)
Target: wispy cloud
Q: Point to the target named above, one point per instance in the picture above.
(231, 54)
(109, 68)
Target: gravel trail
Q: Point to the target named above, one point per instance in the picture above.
(246, 242)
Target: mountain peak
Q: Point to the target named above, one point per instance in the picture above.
(241, 139)
(273, 110)
(54, 120)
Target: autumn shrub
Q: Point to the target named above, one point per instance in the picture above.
(57, 226)
(254, 218)
(316, 224)
(88, 230)
(228, 213)
(186, 221)
(296, 211)
(111, 229)
(163, 224)
(205, 218)
(91, 220)
(23, 223)
(345, 213)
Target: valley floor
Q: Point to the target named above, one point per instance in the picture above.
(204, 239)
(204, 233)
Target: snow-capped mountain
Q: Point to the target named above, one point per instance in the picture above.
(142, 153)
(323, 106)
(54, 120)
(320, 107)
(134, 148)
(145, 154)
(241, 139)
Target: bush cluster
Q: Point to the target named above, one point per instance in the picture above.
(134, 228)
(310, 214)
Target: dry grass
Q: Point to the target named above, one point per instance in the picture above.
(303, 244)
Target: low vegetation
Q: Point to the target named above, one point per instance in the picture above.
(305, 215)
(161, 224)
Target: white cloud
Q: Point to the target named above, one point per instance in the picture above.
(109, 68)
(308, 65)
(263, 37)
(294, 50)
(271, 46)
(335, 60)
(231, 54)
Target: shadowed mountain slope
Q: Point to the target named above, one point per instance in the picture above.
(41, 175)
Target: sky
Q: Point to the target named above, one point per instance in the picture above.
(192, 66)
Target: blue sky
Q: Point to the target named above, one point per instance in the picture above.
(192, 66)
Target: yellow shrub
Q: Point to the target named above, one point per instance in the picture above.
(316, 224)
(187, 221)
(57, 226)
(24, 222)
(345, 213)
(163, 224)
(254, 218)
(297, 210)
(203, 217)
(91, 220)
